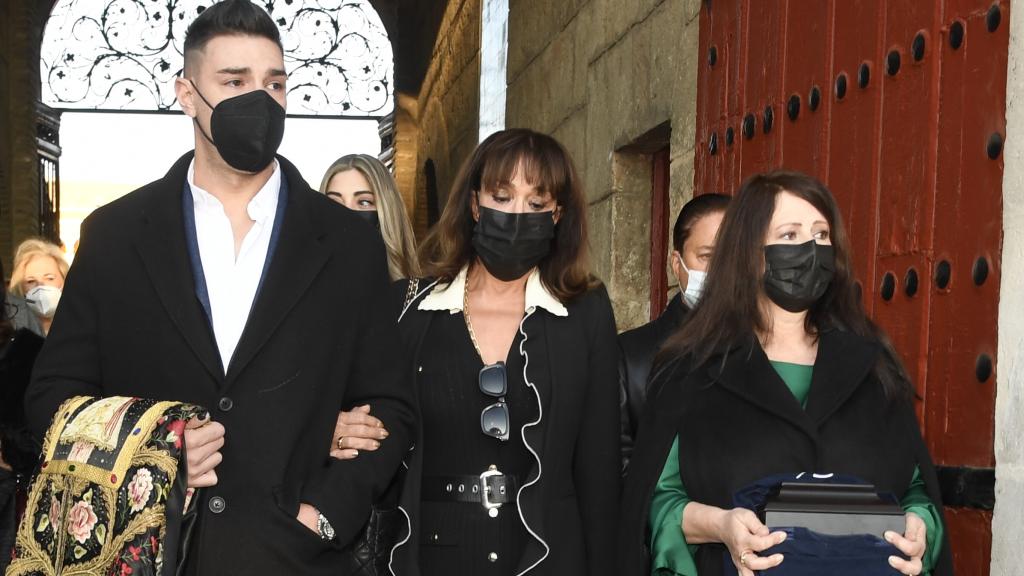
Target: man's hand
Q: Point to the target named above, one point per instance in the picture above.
(203, 441)
(309, 517)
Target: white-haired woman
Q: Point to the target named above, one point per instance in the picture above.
(38, 277)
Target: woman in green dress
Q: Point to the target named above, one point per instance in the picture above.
(777, 370)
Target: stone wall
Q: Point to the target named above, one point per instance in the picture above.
(599, 75)
(406, 137)
(1007, 554)
(6, 221)
(21, 28)
(448, 102)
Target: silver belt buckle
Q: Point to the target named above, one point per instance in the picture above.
(485, 491)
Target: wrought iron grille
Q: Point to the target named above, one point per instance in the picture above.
(48, 152)
(124, 55)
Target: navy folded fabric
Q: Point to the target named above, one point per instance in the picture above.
(808, 553)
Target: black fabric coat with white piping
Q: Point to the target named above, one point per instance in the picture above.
(569, 500)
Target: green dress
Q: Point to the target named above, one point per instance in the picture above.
(671, 555)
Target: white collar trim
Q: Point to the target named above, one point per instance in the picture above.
(449, 296)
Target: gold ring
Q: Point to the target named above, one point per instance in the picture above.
(340, 440)
(743, 559)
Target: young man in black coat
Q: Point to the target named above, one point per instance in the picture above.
(231, 284)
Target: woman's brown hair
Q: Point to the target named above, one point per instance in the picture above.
(729, 309)
(544, 163)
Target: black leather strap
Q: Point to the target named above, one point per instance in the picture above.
(466, 488)
(965, 487)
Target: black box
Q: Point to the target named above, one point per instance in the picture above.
(835, 509)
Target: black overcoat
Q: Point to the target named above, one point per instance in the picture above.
(737, 422)
(320, 338)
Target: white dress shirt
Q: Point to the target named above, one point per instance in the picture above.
(232, 282)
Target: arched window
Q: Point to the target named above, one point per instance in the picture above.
(120, 58)
(124, 54)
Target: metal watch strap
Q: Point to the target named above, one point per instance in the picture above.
(324, 527)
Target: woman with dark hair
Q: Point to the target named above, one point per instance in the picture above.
(18, 451)
(515, 470)
(778, 371)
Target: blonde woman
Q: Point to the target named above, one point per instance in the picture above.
(361, 183)
(38, 277)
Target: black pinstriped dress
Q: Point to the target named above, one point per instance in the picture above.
(460, 537)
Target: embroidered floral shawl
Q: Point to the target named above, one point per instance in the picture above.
(110, 495)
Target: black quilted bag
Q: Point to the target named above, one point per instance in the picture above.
(371, 553)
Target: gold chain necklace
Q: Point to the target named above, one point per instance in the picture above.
(469, 322)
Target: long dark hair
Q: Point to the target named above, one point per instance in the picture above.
(729, 309)
(545, 164)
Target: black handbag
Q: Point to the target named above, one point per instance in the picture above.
(371, 553)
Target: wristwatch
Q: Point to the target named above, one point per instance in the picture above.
(324, 527)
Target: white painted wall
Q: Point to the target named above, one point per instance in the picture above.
(1008, 522)
(493, 66)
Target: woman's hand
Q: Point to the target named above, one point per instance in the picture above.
(356, 430)
(912, 544)
(745, 536)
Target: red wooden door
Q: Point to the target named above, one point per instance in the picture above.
(899, 107)
(660, 231)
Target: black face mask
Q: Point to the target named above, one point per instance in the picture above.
(370, 217)
(797, 275)
(246, 129)
(511, 244)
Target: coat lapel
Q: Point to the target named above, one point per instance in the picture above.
(746, 372)
(296, 260)
(843, 363)
(165, 258)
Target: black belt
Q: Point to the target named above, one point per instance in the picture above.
(500, 488)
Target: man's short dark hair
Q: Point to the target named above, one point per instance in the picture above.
(230, 18)
(693, 211)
